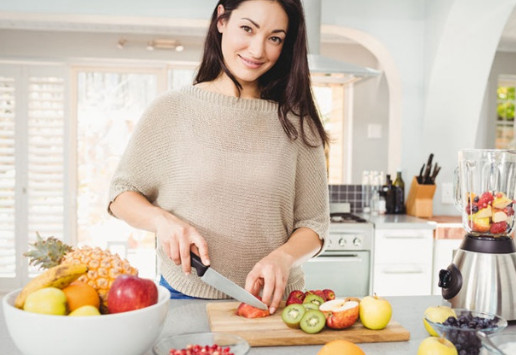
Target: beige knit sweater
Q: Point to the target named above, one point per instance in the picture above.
(225, 166)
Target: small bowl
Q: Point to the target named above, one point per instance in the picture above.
(505, 341)
(238, 345)
(127, 333)
(467, 337)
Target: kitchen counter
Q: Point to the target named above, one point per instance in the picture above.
(399, 221)
(186, 316)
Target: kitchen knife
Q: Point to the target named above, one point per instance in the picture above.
(223, 284)
(426, 177)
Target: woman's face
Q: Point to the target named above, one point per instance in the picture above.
(252, 38)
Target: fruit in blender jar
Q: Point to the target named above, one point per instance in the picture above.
(313, 298)
(501, 201)
(295, 296)
(499, 216)
(436, 346)
(498, 227)
(437, 314)
(488, 209)
(313, 321)
(340, 313)
(47, 300)
(481, 224)
(375, 312)
(292, 314)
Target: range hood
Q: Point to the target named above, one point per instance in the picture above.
(321, 64)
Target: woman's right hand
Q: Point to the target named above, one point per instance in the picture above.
(178, 239)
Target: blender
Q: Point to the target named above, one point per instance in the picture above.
(482, 275)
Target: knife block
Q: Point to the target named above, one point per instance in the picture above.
(420, 199)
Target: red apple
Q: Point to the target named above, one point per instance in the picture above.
(296, 296)
(129, 292)
(328, 294)
(340, 313)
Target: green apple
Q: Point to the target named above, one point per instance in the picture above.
(375, 312)
(437, 314)
(48, 300)
(86, 310)
(436, 346)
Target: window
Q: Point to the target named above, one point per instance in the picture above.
(334, 101)
(505, 112)
(32, 166)
(51, 141)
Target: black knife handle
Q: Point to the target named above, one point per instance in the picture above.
(198, 265)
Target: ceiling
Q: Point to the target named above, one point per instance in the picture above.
(162, 26)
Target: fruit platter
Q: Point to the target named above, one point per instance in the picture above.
(490, 213)
(310, 317)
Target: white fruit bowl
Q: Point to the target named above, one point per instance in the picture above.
(128, 333)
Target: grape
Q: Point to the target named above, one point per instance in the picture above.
(462, 332)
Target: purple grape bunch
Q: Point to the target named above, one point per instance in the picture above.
(467, 342)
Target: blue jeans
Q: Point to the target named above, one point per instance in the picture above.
(174, 294)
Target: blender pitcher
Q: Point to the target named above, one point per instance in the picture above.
(485, 188)
(482, 275)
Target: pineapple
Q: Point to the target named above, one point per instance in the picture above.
(103, 266)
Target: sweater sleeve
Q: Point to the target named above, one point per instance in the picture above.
(311, 209)
(139, 168)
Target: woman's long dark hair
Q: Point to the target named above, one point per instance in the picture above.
(287, 82)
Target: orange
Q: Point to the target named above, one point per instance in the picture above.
(80, 294)
(340, 347)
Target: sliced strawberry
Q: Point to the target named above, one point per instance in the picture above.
(485, 199)
(498, 228)
(509, 211)
(247, 311)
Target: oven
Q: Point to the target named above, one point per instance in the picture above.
(345, 265)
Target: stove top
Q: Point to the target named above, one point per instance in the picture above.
(345, 217)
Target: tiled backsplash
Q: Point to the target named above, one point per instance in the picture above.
(353, 194)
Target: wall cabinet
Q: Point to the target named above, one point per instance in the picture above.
(403, 262)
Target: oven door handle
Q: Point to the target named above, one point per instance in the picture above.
(339, 258)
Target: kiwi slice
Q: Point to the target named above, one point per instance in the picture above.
(311, 305)
(313, 321)
(292, 314)
(311, 298)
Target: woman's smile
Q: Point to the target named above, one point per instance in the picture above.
(253, 64)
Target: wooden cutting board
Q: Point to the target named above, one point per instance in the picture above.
(271, 331)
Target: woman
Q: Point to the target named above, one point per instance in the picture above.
(232, 168)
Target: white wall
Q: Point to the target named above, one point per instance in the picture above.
(457, 81)
(442, 49)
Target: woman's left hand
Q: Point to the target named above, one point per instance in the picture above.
(270, 274)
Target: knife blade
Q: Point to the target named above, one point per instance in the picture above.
(223, 284)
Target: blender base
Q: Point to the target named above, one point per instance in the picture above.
(482, 276)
